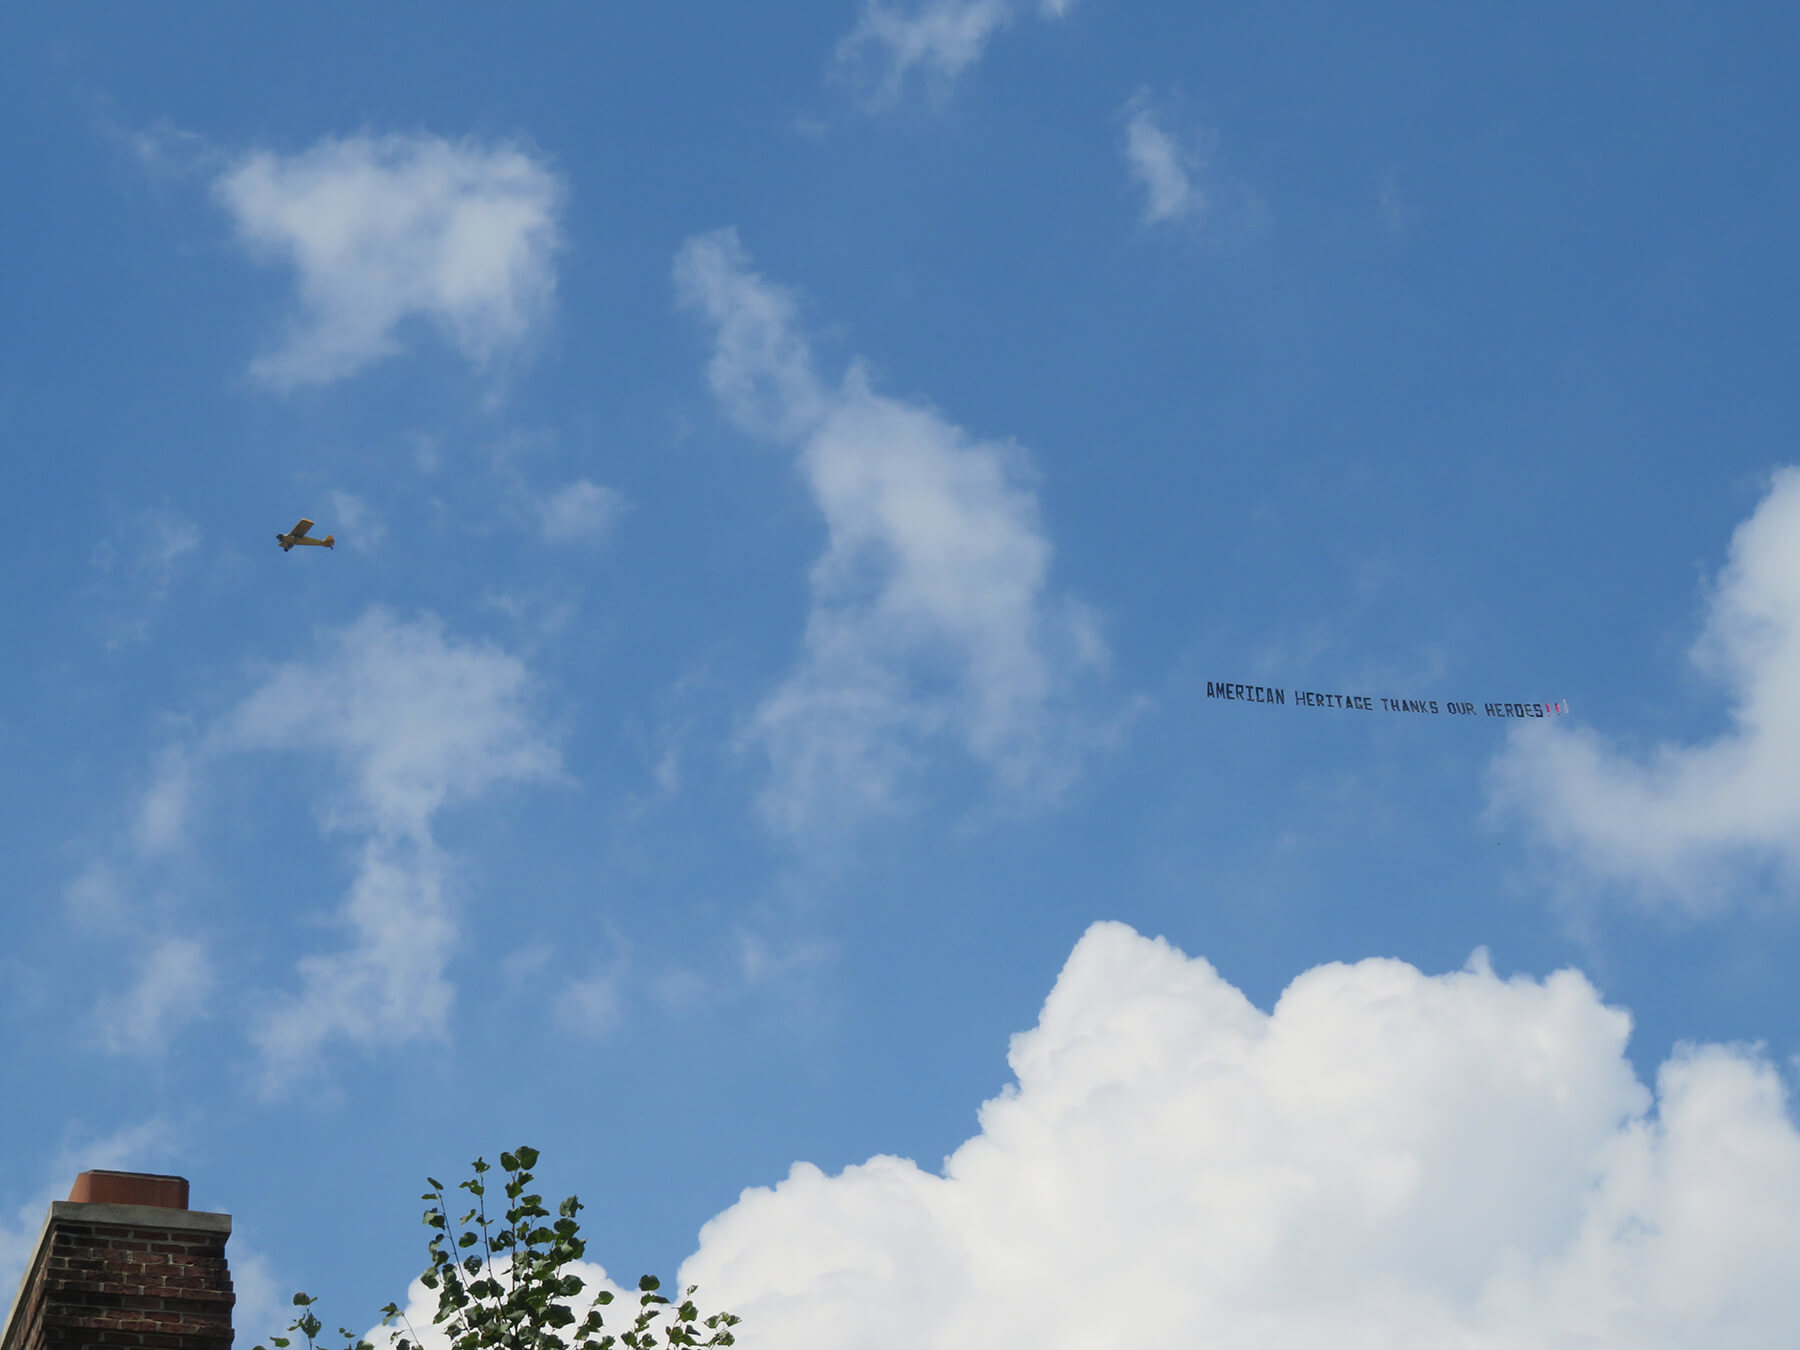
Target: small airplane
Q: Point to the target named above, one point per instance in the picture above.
(298, 535)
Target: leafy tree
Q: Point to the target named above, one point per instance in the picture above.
(521, 1303)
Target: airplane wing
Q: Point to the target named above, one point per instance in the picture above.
(299, 531)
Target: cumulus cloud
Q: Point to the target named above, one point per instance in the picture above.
(893, 48)
(1690, 822)
(580, 513)
(618, 1317)
(415, 721)
(1386, 1159)
(932, 614)
(384, 229)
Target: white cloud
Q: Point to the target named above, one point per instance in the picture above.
(96, 897)
(930, 43)
(171, 975)
(581, 512)
(1386, 1160)
(931, 611)
(382, 229)
(135, 566)
(618, 1317)
(590, 1006)
(1691, 822)
(173, 981)
(264, 1305)
(355, 523)
(761, 368)
(164, 151)
(1176, 165)
(1166, 170)
(162, 816)
(415, 721)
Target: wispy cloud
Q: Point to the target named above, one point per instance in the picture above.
(356, 523)
(1178, 170)
(589, 1005)
(169, 978)
(134, 567)
(1693, 823)
(1387, 1158)
(145, 1144)
(1167, 171)
(932, 614)
(416, 721)
(580, 512)
(170, 988)
(894, 49)
(382, 229)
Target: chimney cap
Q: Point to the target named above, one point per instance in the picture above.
(155, 1189)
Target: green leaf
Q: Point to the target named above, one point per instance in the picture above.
(649, 1282)
(509, 1161)
(528, 1156)
(435, 1185)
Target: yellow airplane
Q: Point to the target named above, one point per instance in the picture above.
(298, 535)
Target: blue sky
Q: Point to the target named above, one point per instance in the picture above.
(794, 477)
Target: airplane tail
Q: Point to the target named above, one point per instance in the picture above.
(331, 541)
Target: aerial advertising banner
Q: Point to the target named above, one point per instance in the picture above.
(1430, 707)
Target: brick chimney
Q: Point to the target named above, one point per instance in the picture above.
(124, 1262)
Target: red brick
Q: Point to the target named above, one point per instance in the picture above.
(94, 1284)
